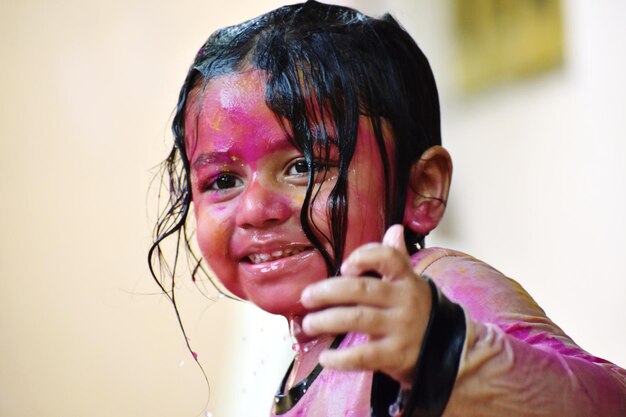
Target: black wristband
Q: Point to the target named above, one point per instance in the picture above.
(438, 362)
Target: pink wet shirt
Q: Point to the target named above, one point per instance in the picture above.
(336, 393)
(515, 361)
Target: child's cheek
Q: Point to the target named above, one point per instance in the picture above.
(369, 198)
(320, 206)
(215, 226)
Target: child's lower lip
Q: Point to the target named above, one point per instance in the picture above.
(280, 265)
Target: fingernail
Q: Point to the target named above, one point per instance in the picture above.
(392, 235)
(325, 358)
(322, 358)
(304, 324)
(305, 296)
(346, 269)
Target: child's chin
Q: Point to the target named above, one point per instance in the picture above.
(282, 307)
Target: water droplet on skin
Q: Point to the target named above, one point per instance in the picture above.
(181, 363)
(208, 414)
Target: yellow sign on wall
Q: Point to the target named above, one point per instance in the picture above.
(500, 40)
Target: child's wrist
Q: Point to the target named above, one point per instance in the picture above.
(438, 362)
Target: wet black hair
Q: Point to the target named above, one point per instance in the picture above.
(324, 64)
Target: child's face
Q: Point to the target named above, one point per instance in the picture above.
(248, 185)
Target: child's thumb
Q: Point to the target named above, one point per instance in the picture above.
(394, 236)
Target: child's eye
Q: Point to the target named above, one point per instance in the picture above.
(299, 170)
(298, 167)
(224, 182)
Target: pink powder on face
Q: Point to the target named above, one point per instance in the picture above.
(239, 138)
(256, 211)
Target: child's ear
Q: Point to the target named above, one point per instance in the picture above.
(427, 191)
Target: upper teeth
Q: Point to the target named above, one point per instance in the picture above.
(265, 257)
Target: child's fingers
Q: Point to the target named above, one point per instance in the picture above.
(394, 237)
(388, 261)
(348, 290)
(393, 311)
(337, 320)
(372, 356)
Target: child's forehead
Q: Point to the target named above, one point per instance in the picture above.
(239, 100)
(225, 101)
(234, 91)
(242, 96)
(304, 90)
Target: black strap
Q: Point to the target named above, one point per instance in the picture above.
(283, 402)
(438, 363)
(384, 394)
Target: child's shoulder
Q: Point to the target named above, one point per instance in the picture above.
(444, 265)
(486, 293)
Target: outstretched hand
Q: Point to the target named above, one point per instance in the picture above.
(393, 310)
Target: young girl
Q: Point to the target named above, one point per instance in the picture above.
(301, 137)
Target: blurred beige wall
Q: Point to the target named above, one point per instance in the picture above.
(87, 93)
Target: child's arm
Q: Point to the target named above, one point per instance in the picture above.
(515, 361)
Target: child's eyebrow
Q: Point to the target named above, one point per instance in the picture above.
(211, 158)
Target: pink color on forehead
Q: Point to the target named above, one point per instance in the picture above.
(238, 91)
(230, 104)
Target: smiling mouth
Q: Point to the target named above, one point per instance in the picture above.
(258, 258)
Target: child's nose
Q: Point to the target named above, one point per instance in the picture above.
(262, 207)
